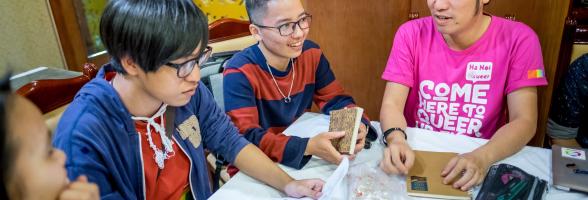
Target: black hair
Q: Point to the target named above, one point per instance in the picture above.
(6, 149)
(256, 9)
(152, 32)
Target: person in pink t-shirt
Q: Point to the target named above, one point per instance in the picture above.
(461, 71)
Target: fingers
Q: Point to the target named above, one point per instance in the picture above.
(81, 190)
(333, 135)
(74, 195)
(474, 181)
(305, 188)
(397, 161)
(318, 195)
(450, 165)
(362, 132)
(359, 146)
(335, 157)
(408, 158)
(466, 176)
(464, 171)
(360, 143)
(309, 191)
(82, 178)
(83, 186)
(316, 190)
(459, 167)
(386, 163)
(330, 154)
(317, 184)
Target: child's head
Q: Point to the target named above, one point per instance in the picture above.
(281, 26)
(31, 168)
(159, 43)
(455, 16)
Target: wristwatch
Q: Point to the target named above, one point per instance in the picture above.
(389, 131)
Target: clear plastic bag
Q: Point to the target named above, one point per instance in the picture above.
(367, 182)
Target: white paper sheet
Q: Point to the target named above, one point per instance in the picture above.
(308, 125)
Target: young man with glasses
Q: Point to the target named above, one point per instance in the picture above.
(270, 84)
(139, 128)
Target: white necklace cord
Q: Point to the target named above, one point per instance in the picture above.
(159, 155)
(287, 99)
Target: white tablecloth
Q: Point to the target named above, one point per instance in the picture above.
(535, 161)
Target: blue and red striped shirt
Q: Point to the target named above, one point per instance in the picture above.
(258, 109)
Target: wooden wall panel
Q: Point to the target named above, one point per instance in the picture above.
(550, 30)
(356, 37)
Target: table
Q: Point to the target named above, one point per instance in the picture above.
(535, 161)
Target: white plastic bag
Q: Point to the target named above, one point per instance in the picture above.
(367, 182)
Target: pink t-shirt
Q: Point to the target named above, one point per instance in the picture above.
(463, 92)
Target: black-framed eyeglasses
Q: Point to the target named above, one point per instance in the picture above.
(288, 28)
(186, 68)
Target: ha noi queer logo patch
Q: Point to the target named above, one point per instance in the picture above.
(479, 71)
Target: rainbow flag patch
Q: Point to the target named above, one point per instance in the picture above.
(536, 73)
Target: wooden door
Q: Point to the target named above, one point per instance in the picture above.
(356, 37)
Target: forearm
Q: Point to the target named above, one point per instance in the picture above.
(256, 164)
(392, 111)
(508, 140)
(391, 116)
(513, 136)
(272, 143)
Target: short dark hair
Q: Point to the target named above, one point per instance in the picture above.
(7, 150)
(256, 9)
(152, 32)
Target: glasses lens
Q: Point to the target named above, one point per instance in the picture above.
(305, 22)
(186, 69)
(204, 57)
(286, 29)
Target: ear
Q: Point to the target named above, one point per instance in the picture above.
(255, 32)
(130, 66)
(484, 2)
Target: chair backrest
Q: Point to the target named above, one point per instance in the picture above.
(226, 29)
(50, 94)
(212, 75)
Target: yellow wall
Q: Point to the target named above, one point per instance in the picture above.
(93, 12)
(218, 9)
(28, 38)
(577, 51)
